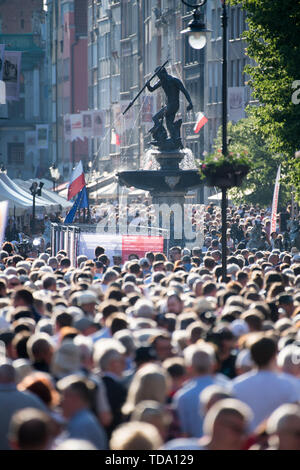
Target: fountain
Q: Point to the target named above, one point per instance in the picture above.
(168, 180)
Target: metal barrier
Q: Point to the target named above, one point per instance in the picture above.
(67, 238)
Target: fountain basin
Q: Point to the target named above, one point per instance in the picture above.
(162, 181)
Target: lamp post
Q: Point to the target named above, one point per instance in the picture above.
(36, 190)
(55, 175)
(197, 32)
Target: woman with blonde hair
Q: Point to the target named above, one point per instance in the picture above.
(150, 382)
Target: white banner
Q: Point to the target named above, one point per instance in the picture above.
(76, 127)
(122, 123)
(111, 243)
(83, 125)
(11, 74)
(87, 124)
(275, 202)
(42, 136)
(236, 103)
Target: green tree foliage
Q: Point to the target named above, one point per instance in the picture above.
(258, 186)
(273, 43)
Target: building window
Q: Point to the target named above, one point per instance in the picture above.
(219, 23)
(22, 24)
(16, 109)
(213, 24)
(216, 97)
(16, 154)
(66, 69)
(238, 22)
(210, 82)
(232, 23)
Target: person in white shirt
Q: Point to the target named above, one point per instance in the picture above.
(264, 389)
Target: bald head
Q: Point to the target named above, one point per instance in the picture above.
(284, 427)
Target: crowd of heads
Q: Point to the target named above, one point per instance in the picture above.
(155, 352)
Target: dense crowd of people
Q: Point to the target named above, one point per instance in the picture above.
(157, 352)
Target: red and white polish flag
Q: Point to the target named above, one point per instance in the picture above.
(115, 138)
(77, 181)
(201, 120)
(275, 201)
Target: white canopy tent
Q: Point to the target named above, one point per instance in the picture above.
(50, 196)
(41, 203)
(115, 190)
(218, 196)
(16, 203)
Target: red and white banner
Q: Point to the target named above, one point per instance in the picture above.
(115, 138)
(201, 120)
(275, 202)
(140, 244)
(77, 181)
(119, 245)
(76, 126)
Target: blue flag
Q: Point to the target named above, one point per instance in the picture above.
(80, 203)
(84, 200)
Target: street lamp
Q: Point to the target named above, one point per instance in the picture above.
(35, 191)
(55, 174)
(196, 32)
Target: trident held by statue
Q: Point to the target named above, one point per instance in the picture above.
(141, 91)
